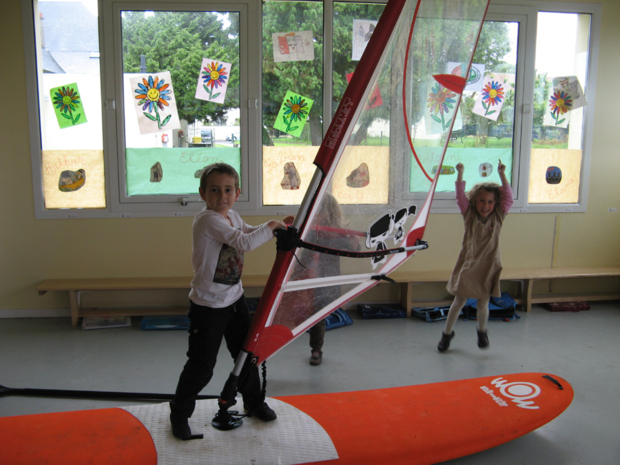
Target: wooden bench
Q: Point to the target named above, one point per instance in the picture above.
(526, 276)
(406, 279)
(76, 287)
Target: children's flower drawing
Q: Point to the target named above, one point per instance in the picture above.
(296, 109)
(441, 101)
(492, 95)
(153, 95)
(560, 103)
(67, 105)
(293, 113)
(214, 75)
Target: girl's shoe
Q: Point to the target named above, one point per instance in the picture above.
(483, 339)
(444, 344)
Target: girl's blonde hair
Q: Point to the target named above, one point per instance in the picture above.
(473, 194)
(331, 213)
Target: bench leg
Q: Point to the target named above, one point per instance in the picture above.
(74, 297)
(406, 297)
(527, 294)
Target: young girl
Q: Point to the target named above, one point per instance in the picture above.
(478, 266)
(329, 215)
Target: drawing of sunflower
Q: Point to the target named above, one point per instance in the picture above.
(560, 103)
(66, 100)
(441, 101)
(492, 94)
(153, 94)
(214, 75)
(297, 108)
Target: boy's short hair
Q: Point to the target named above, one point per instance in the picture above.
(222, 168)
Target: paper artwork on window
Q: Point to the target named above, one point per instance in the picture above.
(571, 85)
(475, 78)
(293, 113)
(155, 104)
(359, 163)
(359, 177)
(157, 172)
(553, 175)
(491, 100)
(445, 169)
(374, 99)
(71, 181)
(559, 105)
(274, 159)
(293, 46)
(485, 170)
(441, 107)
(68, 105)
(213, 80)
(291, 179)
(362, 32)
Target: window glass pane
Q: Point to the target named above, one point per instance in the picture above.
(292, 98)
(483, 129)
(70, 104)
(557, 133)
(181, 96)
(354, 24)
(368, 152)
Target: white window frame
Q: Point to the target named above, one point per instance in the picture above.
(250, 201)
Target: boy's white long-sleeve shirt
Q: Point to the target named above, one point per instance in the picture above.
(217, 256)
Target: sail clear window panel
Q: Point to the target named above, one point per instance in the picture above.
(296, 307)
(181, 98)
(292, 104)
(558, 127)
(69, 97)
(483, 129)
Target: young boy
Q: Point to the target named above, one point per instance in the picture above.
(217, 304)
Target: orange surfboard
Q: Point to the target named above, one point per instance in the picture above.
(422, 424)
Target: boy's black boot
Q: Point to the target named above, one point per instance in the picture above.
(262, 412)
(180, 426)
(444, 344)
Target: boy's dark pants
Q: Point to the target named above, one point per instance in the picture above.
(207, 327)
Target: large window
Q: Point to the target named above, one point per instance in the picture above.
(558, 130)
(180, 98)
(293, 91)
(123, 127)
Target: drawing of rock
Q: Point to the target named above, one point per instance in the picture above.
(157, 172)
(71, 181)
(359, 177)
(485, 170)
(553, 175)
(291, 178)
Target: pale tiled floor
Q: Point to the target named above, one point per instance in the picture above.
(583, 348)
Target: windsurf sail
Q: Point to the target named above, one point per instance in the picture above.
(344, 240)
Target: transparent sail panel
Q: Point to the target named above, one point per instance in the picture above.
(483, 131)
(363, 208)
(296, 307)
